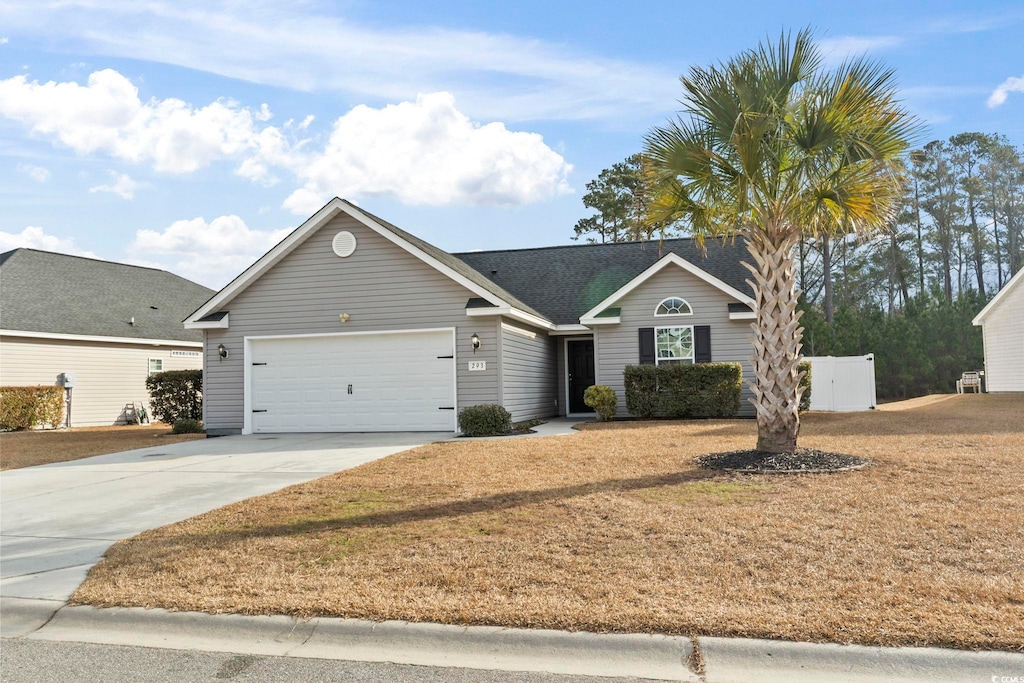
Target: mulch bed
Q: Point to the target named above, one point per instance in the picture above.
(803, 461)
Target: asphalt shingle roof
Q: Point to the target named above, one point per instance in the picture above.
(454, 262)
(41, 291)
(564, 282)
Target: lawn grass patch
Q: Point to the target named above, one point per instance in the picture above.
(39, 447)
(616, 529)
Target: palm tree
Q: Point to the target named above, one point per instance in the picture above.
(771, 146)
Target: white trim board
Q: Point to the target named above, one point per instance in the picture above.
(673, 259)
(1014, 282)
(329, 211)
(93, 338)
(208, 324)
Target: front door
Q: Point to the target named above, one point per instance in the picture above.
(580, 362)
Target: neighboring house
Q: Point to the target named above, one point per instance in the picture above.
(107, 324)
(1002, 327)
(351, 324)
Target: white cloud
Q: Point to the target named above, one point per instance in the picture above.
(106, 115)
(211, 253)
(307, 47)
(1011, 84)
(34, 237)
(428, 152)
(123, 186)
(4, 40)
(36, 173)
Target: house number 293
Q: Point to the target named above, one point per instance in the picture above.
(475, 365)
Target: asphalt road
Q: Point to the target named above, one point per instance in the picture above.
(29, 661)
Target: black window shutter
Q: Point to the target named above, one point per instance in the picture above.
(646, 346)
(702, 343)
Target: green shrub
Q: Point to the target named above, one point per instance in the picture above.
(485, 420)
(641, 390)
(31, 407)
(187, 426)
(602, 399)
(176, 395)
(805, 384)
(680, 390)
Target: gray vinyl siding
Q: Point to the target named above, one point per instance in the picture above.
(528, 372)
(107, 375)
(617, 346)
(380, 286)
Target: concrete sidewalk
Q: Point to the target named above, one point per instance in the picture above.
(659, 657)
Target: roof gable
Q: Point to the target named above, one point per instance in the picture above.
(1016, 281)
(426, 252)
(565, 282)
(61, 295)
(670, 259)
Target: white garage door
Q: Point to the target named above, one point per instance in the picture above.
(353, 383)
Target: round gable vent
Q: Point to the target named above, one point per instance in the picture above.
(344, 244)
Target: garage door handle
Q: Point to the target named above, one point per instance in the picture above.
(259, 363)
(259, 411)
(446, 408)
(446, 356)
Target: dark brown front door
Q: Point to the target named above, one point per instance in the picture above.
(580, 361)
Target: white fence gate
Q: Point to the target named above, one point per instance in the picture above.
(842, 384)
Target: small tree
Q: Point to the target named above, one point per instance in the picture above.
(176, 395)
(774, 147)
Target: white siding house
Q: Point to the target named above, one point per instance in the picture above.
(1002, 326)
(108, 324)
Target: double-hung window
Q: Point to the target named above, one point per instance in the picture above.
(673, 344)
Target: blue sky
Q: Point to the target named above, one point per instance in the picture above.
(193, 136)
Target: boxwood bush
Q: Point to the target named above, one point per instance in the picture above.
(488, 419)
(31, 407)
(679, 390)
(176, 395)
(602, 399)
(187, 426)
(641, 390)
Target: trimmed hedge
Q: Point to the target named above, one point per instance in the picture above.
(488, 419)
(602, 399)
(677, 390)
(31, 407)
(805, 383)
(176, 395)
(187, 426)
(642, 398)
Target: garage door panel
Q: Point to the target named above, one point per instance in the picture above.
(398, 383)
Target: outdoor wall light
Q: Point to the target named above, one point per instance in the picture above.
(475, 341)
(222, 352)
(343, 317)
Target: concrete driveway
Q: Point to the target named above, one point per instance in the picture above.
(57, 520)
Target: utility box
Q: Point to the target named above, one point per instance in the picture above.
(66, 379)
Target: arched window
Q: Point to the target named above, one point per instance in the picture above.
(673, 306)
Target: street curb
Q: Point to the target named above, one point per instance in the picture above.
(473, 647)
(735, 660)
(21, 616)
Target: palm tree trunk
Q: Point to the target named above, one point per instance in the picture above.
(776, 340)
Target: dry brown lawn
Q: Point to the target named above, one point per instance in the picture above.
(37, 447)
(614, 529)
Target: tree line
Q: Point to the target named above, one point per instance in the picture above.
(907, 294)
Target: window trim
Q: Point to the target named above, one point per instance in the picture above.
(670, 315)
(693, 345)
(149, 365)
